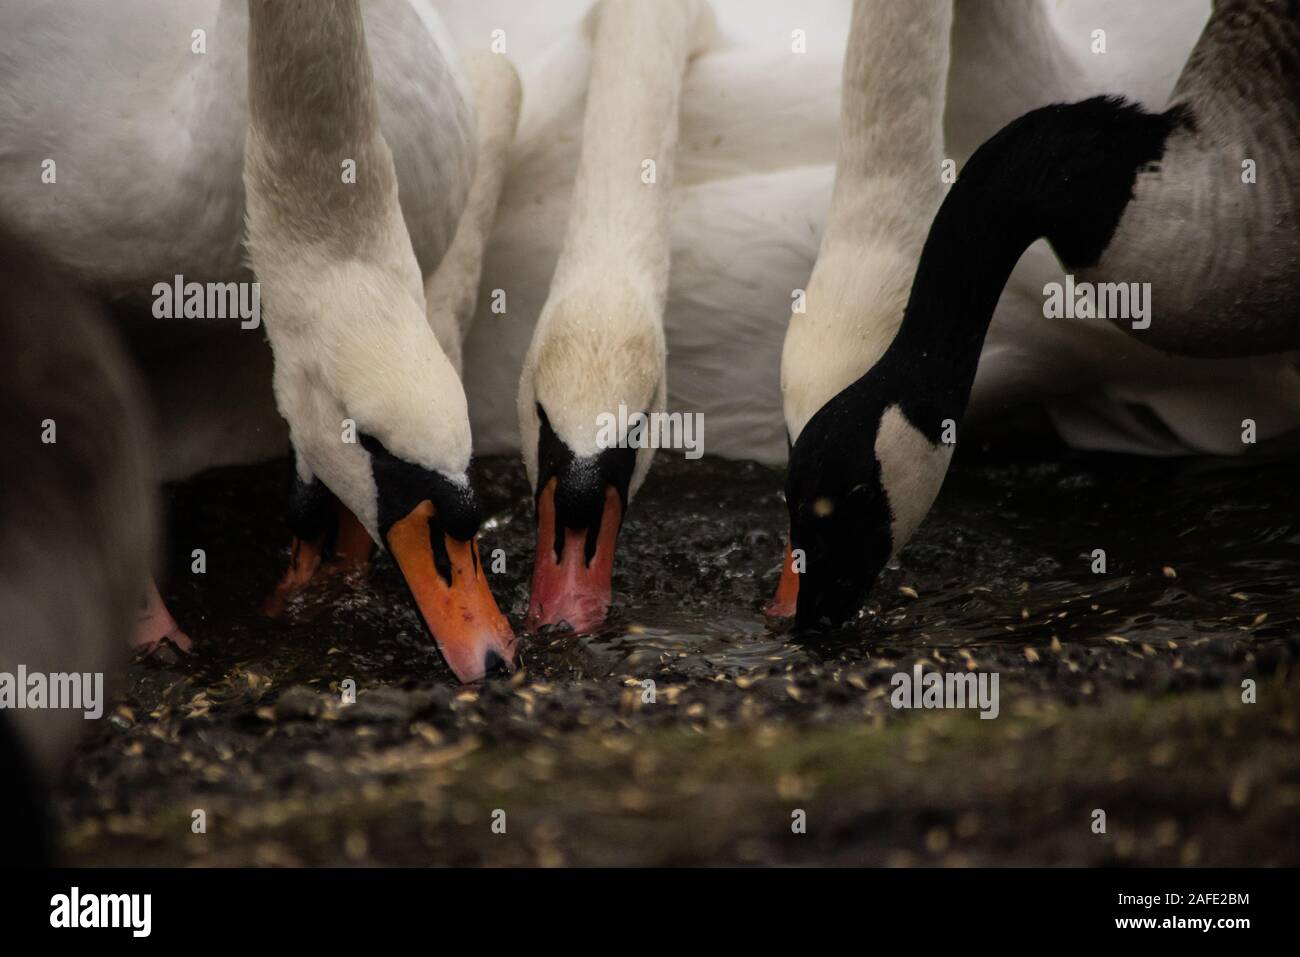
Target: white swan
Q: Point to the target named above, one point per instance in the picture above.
(599, 344)
(752, 176)
(342, 265)
(376, 412)
(124, 130)
(1124, 196)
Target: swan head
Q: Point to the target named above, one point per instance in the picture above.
(596, 363)
(862, 475)
(378, 416)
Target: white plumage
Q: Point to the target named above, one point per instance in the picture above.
(148, 139)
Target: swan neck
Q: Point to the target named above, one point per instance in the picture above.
(619, 219)
(891, 116)
(317, 170)
(310, 78)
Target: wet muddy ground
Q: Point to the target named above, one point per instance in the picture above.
(1119, 691)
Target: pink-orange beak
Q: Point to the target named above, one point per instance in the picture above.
(572, 589)
(462, 615)
(786, 600)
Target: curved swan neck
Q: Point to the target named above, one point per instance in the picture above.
(620, 206)
(310, 78)
(1065, 173)
(316, 163)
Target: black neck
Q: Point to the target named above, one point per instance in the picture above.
(1061, 172)
(965, 263)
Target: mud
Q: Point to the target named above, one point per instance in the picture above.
(1119, 692)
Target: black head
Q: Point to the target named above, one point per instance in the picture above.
(839, 513)
(580, 502)
(402, 486)
(581, 484)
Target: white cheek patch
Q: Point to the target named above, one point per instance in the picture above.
(911, 473)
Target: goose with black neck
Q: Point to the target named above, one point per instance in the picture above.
(1121, 194)
(869, 464)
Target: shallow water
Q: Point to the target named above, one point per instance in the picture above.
(1193, 549)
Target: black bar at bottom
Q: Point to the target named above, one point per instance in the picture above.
(332, 906)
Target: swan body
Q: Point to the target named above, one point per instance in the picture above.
(147, 139)
(147, 135)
